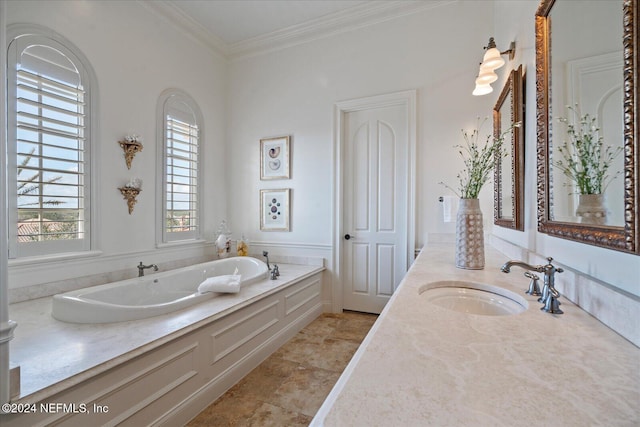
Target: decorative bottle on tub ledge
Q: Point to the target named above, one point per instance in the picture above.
(242, 246)
(223, 241)
(469, 235)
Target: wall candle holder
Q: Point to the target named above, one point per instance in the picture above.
(130, 194)
(130, 149)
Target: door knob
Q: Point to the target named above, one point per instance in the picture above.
(347, 236)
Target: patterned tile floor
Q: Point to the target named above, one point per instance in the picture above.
(288, 387)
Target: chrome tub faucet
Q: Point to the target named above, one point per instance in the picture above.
(142, 267)
(266, 255)
(273, 272)
(550, 295)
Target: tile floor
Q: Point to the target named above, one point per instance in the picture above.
(288, 387)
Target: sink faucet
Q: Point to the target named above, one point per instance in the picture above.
(142, 267)
(549, 293)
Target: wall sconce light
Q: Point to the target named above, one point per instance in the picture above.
(491, 61)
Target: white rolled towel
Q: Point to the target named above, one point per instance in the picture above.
(228, 283)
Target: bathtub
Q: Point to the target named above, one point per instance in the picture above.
(151, 295)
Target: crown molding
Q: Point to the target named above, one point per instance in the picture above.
(350, 19)
(346, 20)
(187, 24)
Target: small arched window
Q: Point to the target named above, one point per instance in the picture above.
(49, 144)
(180, 151)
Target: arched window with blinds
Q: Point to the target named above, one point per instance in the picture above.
(49, 129)
(181, 148)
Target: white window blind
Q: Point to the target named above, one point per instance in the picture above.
(48, 127)
(181, 176)
(50, 141)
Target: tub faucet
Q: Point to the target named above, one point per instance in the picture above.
(273, 272)
(142, 267)
(549, 293)
(266, 255)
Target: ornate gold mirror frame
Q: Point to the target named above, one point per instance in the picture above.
(624, 238)
(504, 115)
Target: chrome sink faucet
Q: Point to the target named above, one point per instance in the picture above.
(549, 293)
(142, 267)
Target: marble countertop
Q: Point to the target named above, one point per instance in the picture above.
(426, 365)
(54, 355)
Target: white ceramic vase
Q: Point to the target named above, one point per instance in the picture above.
(469, 235)
(592, 209)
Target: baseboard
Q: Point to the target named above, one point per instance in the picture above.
(327, 306)
(202, 398)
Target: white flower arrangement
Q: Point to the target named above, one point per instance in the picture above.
(584, 158)
(479, 160)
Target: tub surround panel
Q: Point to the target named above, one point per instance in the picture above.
(284, 252)
(225, 342)
(299, 297)
(422, 364)
(31, 281)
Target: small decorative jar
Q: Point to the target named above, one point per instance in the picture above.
(242, 246)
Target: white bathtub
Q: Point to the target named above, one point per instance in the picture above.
(152, 295)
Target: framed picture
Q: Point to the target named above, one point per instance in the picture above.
(274, 214)
(274, 158)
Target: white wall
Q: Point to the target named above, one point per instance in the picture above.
(293, 91)
(136, 55)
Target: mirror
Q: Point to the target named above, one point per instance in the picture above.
(508, 203)
(586, 96)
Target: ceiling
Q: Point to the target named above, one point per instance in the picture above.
(238, 28)
(235, 21)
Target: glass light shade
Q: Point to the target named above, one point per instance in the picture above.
(482, 90)
(486, 76)
(492, 59)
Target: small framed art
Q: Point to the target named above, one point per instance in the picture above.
(274, 214)
(274, 158)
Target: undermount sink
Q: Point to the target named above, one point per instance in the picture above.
(473, 298)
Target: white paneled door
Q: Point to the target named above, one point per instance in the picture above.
(375, 198)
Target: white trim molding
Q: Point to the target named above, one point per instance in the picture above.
(6, 326)
(358, 16)
(187, 24)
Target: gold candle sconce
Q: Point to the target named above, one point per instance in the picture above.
(130, 194)
(130, 145)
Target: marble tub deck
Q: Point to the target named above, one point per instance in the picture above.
(425, 365)
(55, 355)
